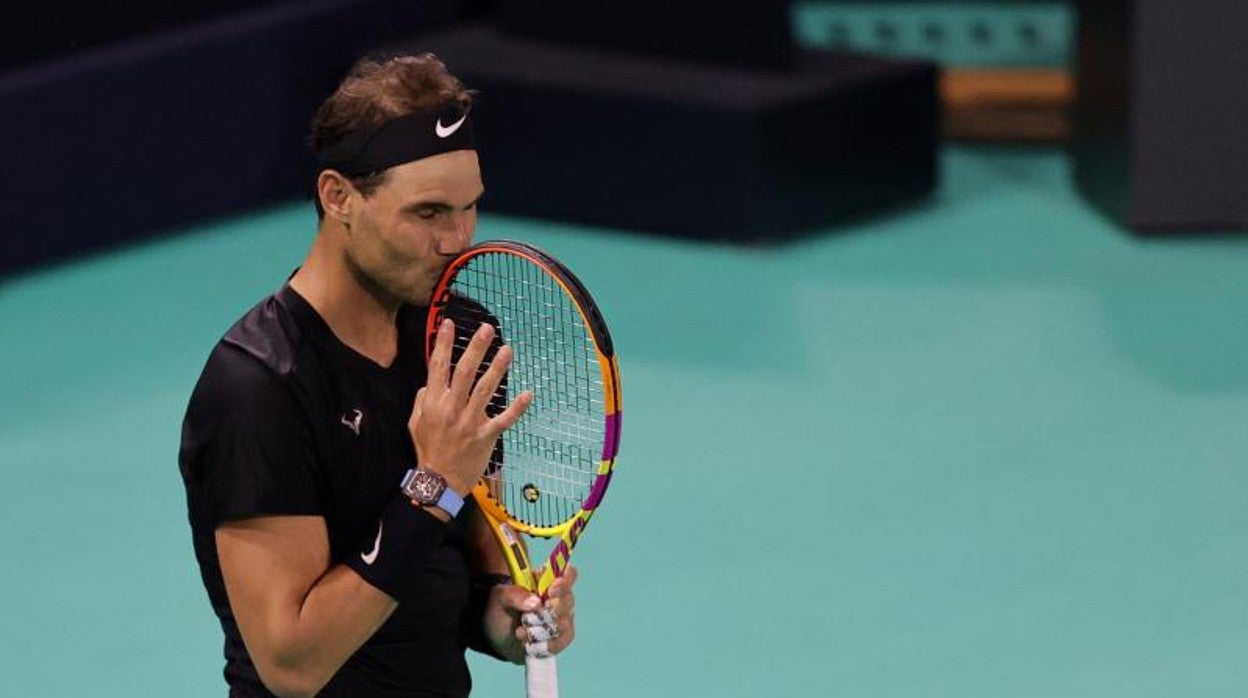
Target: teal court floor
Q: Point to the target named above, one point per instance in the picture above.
(989, 446)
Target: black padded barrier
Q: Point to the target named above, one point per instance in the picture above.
(690, 148)
(1161, 105)
(207, 119)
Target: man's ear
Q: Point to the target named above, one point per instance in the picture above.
(337, 194)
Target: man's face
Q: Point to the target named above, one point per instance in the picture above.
(403, 235)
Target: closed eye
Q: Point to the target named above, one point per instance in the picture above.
(428, 210)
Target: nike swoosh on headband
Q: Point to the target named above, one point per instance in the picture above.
(446, 131)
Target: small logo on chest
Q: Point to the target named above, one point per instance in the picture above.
(352, 419)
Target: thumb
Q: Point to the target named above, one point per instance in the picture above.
(516, 598)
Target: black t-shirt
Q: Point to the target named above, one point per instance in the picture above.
(287, 420)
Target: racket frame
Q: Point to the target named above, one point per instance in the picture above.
(503, 525)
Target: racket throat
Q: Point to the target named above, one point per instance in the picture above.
(517, 557)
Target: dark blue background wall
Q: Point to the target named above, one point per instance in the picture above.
(159, 124)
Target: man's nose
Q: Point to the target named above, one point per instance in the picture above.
(455, 234)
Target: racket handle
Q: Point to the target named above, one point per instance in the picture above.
(541, 676)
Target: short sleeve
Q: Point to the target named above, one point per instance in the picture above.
(247, 446)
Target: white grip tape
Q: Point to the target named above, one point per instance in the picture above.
(548, 616)
(531, 619)
(541, 675)
(540, 627)
(540, 633)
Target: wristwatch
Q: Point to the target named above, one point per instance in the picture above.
(428, 488)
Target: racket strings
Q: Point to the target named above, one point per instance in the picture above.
(548, 460)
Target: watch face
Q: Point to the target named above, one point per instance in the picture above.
(427, 486)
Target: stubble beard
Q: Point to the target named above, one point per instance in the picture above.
(387, 294)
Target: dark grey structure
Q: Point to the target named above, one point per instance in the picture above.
(696, 119)
(692, 149)
(640, 118)
(1160, 117)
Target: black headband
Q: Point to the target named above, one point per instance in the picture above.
(421, 134)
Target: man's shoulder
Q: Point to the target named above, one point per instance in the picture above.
(272, 333)
(266, 351)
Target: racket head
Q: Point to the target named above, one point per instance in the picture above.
(552, 468)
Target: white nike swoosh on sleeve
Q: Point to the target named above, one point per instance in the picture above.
(371, 557)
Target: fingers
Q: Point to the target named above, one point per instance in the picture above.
(490, 380)
(539, 627)
(553, 630)
(451, 424)
(566, 633)
(563, 607)
(470, 362)
(440, 358)
(514, 411)
(466, 369)
(555, 625)
(561, 604)
(563, 585)
(519, 599)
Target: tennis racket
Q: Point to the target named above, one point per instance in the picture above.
(550, 470)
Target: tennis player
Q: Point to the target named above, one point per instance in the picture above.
(327, 495)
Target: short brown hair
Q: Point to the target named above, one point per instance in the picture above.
(376, 91)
